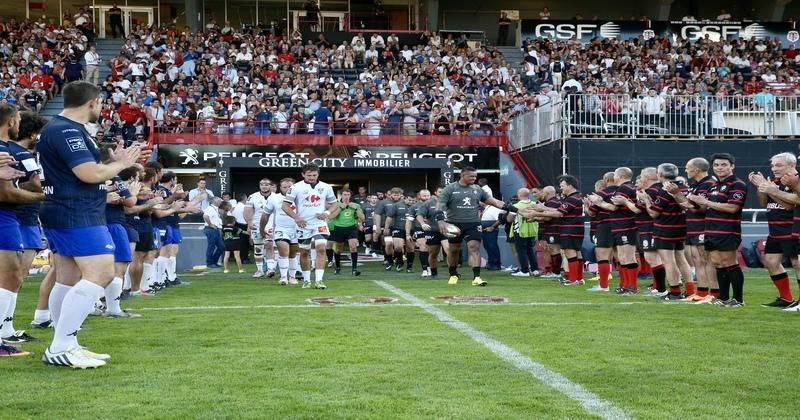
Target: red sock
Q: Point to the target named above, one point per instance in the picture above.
(623, 276)
(689, 286)
(674, 290)
(781, 282)
(603, 269)
(702, 291)
(645, 267)
(715, 293)
(575, 272)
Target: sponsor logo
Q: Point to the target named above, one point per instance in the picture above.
(609, 30)
(361, 153)
(648, 34)
(189, 155)
(76, 144)
(793, 36)
(753, 31)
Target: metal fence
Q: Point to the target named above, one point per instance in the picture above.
(762, 115)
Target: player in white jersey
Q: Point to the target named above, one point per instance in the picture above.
(253, 211)
(283, 229)
(313, 202)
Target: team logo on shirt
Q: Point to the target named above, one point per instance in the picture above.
(738, 195)
(77, 144)
(313, 198)
(467, 201)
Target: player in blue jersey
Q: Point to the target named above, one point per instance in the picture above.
(166, 222)
(11, 244)
(28, 214)
(73, 218)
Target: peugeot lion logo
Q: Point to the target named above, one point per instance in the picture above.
(189, 156)
(361, 153)
(753, 31)
(609, 30)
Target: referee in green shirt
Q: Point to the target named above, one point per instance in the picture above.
(346, 220)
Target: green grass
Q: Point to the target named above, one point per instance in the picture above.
(650, 359)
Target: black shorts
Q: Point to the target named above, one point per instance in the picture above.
(232, 245)
(669, 245)
(787, 247)
(343, 234)
(571, 242)
(398, 233)
(417, 234)
(469, 232)
(626, 238)
(146, 242)
(368, 229)
(696, 240)
(722, 242)
(434, 237)
(646, 243)
(133, 234)
(604, 238)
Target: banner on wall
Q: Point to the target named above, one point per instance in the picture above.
(677, 31)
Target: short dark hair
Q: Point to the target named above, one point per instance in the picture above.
(468, 169)
(149, 173)
(155, 165)
(569, 180)
(30, 125)
(723, 156)
(167, 177)
(128, 173)
(7, 112)
(77, 94)
(309, 167)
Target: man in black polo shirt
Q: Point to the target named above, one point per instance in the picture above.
(723, 233)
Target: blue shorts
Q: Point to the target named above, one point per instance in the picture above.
(10, 236)
(122, 246)
(31, 237)
(80, 242)
(133, 234)
(173, 236)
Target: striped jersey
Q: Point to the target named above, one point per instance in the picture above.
(670, 225)
(780, 218)
(623, 219)
(572, 215)
(696, 219)
(730, 190)
(551, 227)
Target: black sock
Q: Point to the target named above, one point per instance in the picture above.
(660, 275)
(410, 257)
(434, 271)
(453, 269)
(423, 259)
(388, 258)
(398, 258)
(354, 260)
(329, 254)
(337, 258)
(557, 266)
(736, 278)
(476, 272)
(724, 284)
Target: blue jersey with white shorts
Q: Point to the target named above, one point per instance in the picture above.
(73, 213)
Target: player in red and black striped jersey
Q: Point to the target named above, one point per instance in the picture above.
(571, 230)
(723, 233)
(780, 203)
(700, 182)
(647, 187)
(793, 182)
(623, 228)
(669, 227)
(548, 232)
(603, 239)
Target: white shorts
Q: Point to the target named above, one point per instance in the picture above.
(313, 232)
(255, 234)
(286, 234)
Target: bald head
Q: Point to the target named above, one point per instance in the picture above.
(524, 194)
(608, 178)
(697, 168)
(549, 191)
(623, 175)
(649, 176)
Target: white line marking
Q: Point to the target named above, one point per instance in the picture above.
(372, 305)
(593, 403)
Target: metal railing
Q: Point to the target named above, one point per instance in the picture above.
(537, 127)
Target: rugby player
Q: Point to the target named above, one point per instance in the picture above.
(434, 240)
(378, 223)
(347, 219)
(549, 231)
(571, 229)
(669, 229)
(73, 218)
(284, 230)
(370, 236)
(415, 233)
(28, 214)
(700, 182)
(604, 240)
(253, 211)
(459, 206)
(394, 226)
(11, 239)
(168, 226)
(780, 202)
(723, 232)
(313, 200)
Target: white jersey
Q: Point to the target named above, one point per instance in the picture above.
(278, 218)
(310, 201)
(259, 203)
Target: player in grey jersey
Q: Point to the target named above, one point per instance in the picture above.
(459, 205)
(369, 233)
(426, 216)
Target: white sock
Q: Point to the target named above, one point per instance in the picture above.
(147, 273)
(319, 273)
(56, 300)
(259, 263)
(78, 302)
(271, 264)
(127, 279)
(113, 291)
(41, 315)
(6, 297)
(306, 276)
(292, 266)
(283, 265)
(172, 266)
(296, 263)
(7, 329)
(161, 270)
(313, 256)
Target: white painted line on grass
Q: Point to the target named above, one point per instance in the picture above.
(593, 403)
(372, 305)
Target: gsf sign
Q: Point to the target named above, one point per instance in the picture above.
(718, 32)
(578, 31)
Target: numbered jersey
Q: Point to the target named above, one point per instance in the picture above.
(310, 200)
